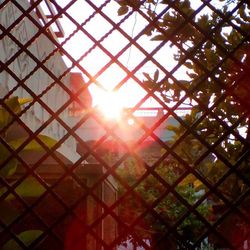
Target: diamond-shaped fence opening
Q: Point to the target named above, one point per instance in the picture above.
(124, 124)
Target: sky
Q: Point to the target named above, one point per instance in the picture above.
(80, 44)
(130, 93)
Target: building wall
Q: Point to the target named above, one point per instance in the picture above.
(14, 79)
(40, 79)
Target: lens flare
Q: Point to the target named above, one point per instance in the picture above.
(110, 105)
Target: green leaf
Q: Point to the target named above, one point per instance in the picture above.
(10, 167)
(189, 65)
(189, 179)
(192, 75)
(184, 82)
(23, 101)
(156, 75)
(33, 145)
(122, 10)
(158, 38)
(27, 237)
(5, 116)
(173, 128)
(13, 104)
(3, 190)
(149, 84)
(8, 212)
(198, 185)
(147, 76)
(29, 188)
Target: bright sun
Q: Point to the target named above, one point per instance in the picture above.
(110, 104)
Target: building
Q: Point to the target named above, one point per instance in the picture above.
(33, 67)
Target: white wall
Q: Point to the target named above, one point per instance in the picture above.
(40, 80)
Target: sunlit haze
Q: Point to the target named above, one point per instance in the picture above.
(110, 104)
(102, 66)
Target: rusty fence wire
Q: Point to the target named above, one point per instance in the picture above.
(124, 124)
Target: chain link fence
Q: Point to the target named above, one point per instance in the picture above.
(124, 124)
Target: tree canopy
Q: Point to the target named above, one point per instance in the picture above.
(211, 40)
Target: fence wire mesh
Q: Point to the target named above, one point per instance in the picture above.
(124, 124)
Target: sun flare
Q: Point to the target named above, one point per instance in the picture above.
(110, 104)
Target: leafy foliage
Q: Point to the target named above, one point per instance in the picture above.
(213, 47)
(27, 237)
(29, 187)
(168, 207)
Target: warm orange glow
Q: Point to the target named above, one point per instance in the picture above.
(110, 104)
